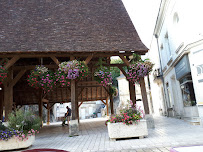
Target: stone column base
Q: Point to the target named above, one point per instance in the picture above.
(73, 128)
(150, 121)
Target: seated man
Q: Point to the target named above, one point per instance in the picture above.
(67, 116)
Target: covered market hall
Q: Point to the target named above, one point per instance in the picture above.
(51, 32)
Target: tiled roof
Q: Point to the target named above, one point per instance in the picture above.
(66, 26)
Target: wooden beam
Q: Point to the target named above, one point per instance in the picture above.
(11, 62)
(65, 54)
(51, 105)
(103, 102)
(144, 95)
(124, 60)
(55, 60)
(111, 104)
(107, 106)
(45, 106)
(80, 103)
(122, 70)
(40, 104)
(106, 90)
(17, 78)
(131, 87)
(48, 114)
(88, 59)
(73, 100)
(132, 92)
(8, 94)
(1, 104)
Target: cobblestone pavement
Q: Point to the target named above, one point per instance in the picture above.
(168, 133)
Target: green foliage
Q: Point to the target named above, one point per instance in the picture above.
(2, 127)
(113, 91)
(23, 121)
(115, 71)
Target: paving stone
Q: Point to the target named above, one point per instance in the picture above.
(93, 136)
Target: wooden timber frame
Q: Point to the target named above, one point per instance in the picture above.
(8, 98)
(81, 30)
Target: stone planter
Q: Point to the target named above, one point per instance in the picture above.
(15, 143)
(120, 130)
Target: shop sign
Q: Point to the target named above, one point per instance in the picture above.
(182, 68)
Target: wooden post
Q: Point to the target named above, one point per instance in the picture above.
(132, 92)
(144, 95)
(8, 95)
(48, 114)
(107, 106)
(40, 104)
(131, 87)
(111, 104)
(1, 104)
(76, 101)
(73, 100)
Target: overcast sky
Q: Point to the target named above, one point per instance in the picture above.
(143, 14)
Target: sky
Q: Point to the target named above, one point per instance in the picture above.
(143, 14)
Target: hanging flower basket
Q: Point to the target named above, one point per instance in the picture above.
(3, 74)
(138, 70)
(103, 76)
(71, 70)
(3, 71)
(62, 79)
(43, 78)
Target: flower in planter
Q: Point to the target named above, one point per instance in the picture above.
(128, 116)
(21, 125)
(103, 76)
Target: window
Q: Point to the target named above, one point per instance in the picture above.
(187, 90)
(169, 96)
(175, 18)
(168, 49)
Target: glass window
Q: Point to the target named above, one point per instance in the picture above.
(169, 96)
(187, 90)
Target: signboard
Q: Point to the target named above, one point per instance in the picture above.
(182, 68)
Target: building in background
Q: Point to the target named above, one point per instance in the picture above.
(177, 80)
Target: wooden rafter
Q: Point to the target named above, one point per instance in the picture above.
(124, 60)
(103, 102)
(122, 70)
(11, 62)
(80, 103)
(88, 59)
(106, 90)
(55, 60)
(17, 78)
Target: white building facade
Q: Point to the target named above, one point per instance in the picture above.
(178, 79)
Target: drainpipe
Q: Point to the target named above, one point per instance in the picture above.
(162, 79)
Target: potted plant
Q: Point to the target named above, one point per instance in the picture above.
(20, 132)
(129, 123)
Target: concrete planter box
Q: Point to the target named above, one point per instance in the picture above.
(15, 143)
(120, 130)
